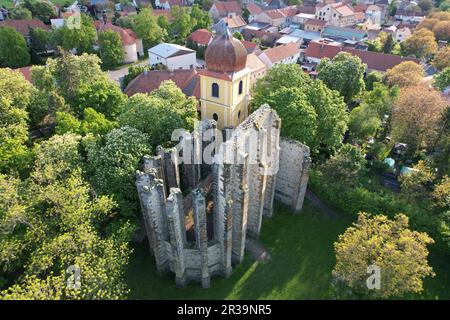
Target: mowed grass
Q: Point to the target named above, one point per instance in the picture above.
(302, 260)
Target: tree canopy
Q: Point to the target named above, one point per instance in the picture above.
(13, 49)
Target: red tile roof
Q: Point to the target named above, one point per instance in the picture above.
(315, 22)
(235, 22)
(274, 14)
(201, 36)
(228, 7)
(289, 11)
(249, 46)
(281, 52)
(146, 82)
(23, 26)
(127, 36)
(254, 9)
(374, 60)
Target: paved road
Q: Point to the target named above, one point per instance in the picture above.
(119, 73)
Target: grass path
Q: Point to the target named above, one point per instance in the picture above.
(302, 257)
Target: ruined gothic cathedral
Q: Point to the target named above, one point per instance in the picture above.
(198, 215)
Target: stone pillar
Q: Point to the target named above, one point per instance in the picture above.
(272, 159)
(297, 204)
(152, 198)
(240, 211)
(170, 168)
(177, 234)
(257, 182)
(201, 234)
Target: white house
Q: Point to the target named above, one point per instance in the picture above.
(374, 15)
(172, 56)
(402, 34)
(288, 53)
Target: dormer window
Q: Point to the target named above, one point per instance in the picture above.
(215, 90)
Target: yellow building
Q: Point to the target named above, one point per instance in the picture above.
(225, 83)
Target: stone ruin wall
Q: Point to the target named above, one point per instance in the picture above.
(242, 193)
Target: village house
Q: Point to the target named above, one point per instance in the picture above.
(235, 23)
(201, 37)
(172, 56)
(343, 34)
(375, 61)
(401, 34)
(23, 26)
(132, 46)
(300, 18)
(169, 4)
(284, 54)
(374, 15)
(338, 14)
(253, 11)
(257, 67)
(314, 25)
(220, 9)
(409, 16)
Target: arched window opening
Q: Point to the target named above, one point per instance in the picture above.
(215, 90)
(241, 85)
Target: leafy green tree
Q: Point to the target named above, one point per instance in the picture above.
(364, 123)
(347, 166)
(159, 113)
(13, 49)
(39, 41)
(371, 78)
(102, 95)
(343, 73)
(182, 23)
(421, 43)
(425, 5)
(416, 184)
(238, 35)
(113, 163)
(389, 44)
(329, 116)
(110, 48)
(40, 9)
(442, 80)
(81, 39)
(96, 123)
(201, 17)
(20, 13)
(399, 253)
(146, 27)
(65, 123)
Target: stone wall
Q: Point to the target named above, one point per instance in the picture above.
(251, 169)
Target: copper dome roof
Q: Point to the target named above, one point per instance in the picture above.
(225, 53)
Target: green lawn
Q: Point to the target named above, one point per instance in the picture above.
(302, 259)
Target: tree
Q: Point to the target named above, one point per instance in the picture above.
(427, 23)
(110, 48)
(416, 116)
(102, 95)
(147, 28)
(441, 59)
(201, 17)
(442, 30)
(329, 108)
(399, 253)
(81, 39)
(389, 44)
(159, 113)
(39, 41)
(347, 166)
(13, 49)
(442, 80)
(93, 123)
(371, 78)
(364, 123)
(182, 23)
(238, 35)
(405, 74)
(343, 73)
(113, 163)
(40, 9)
(441, 193)
(421, 43)
(20, 13)
(416, 184)
(425, 5)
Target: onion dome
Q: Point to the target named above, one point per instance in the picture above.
(225, 53)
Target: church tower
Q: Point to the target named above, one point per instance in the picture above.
(225, 83)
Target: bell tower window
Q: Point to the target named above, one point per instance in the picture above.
(215, 90)
(240, 87)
